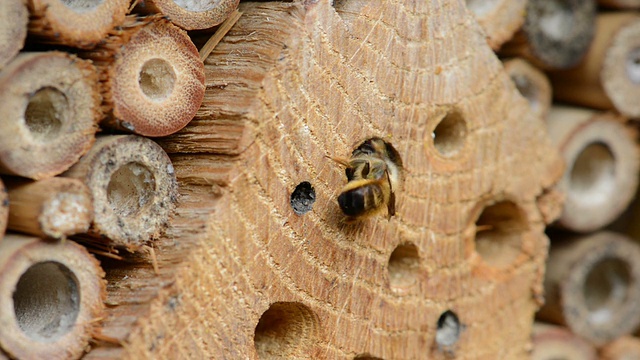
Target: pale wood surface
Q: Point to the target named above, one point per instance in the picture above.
(291, 84)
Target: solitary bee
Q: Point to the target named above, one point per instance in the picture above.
(374, 173)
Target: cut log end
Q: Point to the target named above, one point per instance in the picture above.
(14, 17)
(50, 102)
(53, 293)
(191, 15)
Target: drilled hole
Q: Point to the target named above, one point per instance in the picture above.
(527, 90)
(46, 111)
(499, 232)
(481, 7)
(592, 176)
(556, 18)
(633, 65)
(284, 330)
(448, 330)
(46, 301)
(82, 5)
(449, 135)
(156, 79)
(130, 189)
(606, 289)
(197, 5)
(403, 266)
(302, 198)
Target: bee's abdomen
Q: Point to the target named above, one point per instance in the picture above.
(358, 201)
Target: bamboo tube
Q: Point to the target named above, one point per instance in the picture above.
(620, 4)
(551, 342)
(153, 77)
(4, 209)
(51, 293)
(532, 83)
(610, 75)
(52, 208)
(190, 14)
(14, 17)
(602, 166)
(592, 284)
(556, 33)
(499, 19)
(624, 348)
(133, 185)
(50, 104)
(77, 23)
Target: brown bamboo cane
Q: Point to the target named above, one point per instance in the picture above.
(609, 77)
(190, 15)
(50, 208)
(532, 83)
(79, 23)
(134, 189)
(50, 103)
(4, 209)
(556, 33)
(51, 295)
(500, 19)
(14, 17)
(602, 164)
(152, 75)
(592, 283)
(623, 348)
(552, 342)
(620, 4)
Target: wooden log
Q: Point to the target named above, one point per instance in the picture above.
(500, 19)
(609, 77)
(592, 283)
(51, 105)
(152, 75)
(14, 17)
(292, 84)
(620, 4)
(81, 24)
(623, 348)
(190, 15)
(555, 342)
(134, 189)
(556, 33)
(51, 294)
(532, 83)
(602, 161)
(50, 208)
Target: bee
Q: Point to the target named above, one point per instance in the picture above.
(374, 173)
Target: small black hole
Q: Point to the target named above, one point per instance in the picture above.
(449, 329)
(302, 198)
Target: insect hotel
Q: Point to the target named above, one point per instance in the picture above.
(319, 179)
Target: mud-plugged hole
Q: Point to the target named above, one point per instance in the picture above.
(448, 329)
(633, 65)
(499, 231)
(556, 18)
(285, 330)
(82, 5)
(527, 90)
(46, 111)
(450, 133)
(606, 288)
(156, 79)
(46, 301)
(131, 187)
(592, 175)
(404, 264)
(302, 198)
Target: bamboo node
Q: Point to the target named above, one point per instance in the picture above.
(46, 111)
(592, 176)
(633, 65)
(130, 189)
(157, 79)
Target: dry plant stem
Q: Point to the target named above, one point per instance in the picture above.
(50, 295)
(208, 47)
(4, 209)
(532, 83)
(50, 103)
(623, 348)
(134, 189)
(78, 23)
(602, 164)
(556, 342)
(556, 33)
(591, 285)
(51, 208)
(13, 28)
(152, 75)
(500, 19)
(609, 77)
(620, 4)
(190, 15)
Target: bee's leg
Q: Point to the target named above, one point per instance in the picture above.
(339, 160)
(391, 206)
